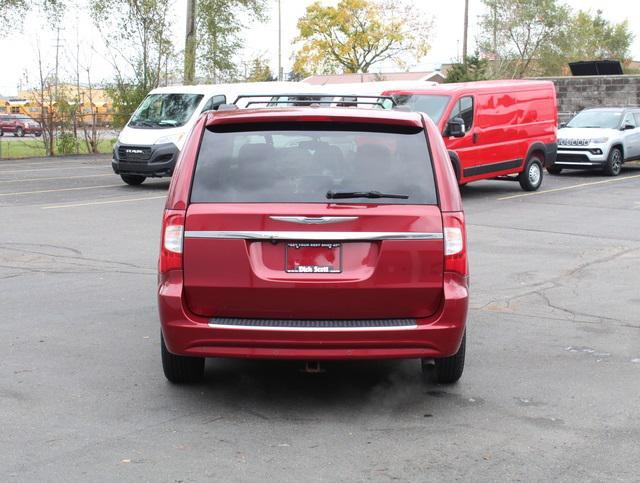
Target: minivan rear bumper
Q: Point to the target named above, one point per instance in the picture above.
(437, 336)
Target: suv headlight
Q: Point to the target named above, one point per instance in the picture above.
(599, 140)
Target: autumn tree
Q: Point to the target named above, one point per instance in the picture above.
(515, 32)
(355, 35)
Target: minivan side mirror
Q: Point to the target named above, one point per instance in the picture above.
(455, 127)
(627, 126)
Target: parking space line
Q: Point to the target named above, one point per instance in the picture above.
(57, 177)
(62, 189)
(104, 202)
(564, 188)
(44, 162)
(27, 164)
(58, 168)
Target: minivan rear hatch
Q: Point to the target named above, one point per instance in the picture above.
(313, 220)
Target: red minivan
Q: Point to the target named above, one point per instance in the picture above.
(313, 233)
(493, 129)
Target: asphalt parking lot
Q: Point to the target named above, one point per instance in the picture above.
(551, 390)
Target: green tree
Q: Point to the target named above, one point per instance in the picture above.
(13, 12)
(587, 37)
(137, 34)
(259, 71)
(357, 34)
(474, 68)
(515, 32)
(219, 24)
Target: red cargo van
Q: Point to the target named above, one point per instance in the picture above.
(492, 129)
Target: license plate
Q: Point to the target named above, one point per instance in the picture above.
(313, 257)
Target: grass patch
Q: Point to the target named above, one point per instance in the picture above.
(31, 148)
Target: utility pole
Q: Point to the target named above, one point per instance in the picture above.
(466, 29)
(57, 56)
(190, 44)
(280, 73)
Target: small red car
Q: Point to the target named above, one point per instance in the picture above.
(493, 129)
(313, 233)
(19, 125)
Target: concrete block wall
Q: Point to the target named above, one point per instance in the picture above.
(577, 93)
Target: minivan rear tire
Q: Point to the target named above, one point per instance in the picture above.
(448, 370)
(531, 177)
(181, 369)
(133, 179)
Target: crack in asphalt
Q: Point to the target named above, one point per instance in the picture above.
(44, 261)
(537, 230)
(557, 282)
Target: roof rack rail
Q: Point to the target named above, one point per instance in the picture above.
(316, 99)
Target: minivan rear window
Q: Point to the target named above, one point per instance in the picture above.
(302, 162)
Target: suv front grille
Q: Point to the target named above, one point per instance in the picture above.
(573, 158)
(134, 153)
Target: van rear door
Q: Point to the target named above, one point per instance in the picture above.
(293, 221)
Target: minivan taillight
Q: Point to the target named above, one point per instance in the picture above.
(455, 243)
(171, 242)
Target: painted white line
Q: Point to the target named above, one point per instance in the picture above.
(58, 168)
(105, 202)
(27, 164)
(57, 177)
(79, 188)
(564, 188)
(43, 162)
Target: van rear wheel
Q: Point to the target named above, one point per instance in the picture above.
(448, 369)
(133, 179)
(181, 369)
(531, 177)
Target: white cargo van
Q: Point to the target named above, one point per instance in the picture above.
(149, 144)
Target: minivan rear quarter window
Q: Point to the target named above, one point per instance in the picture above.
(302, 162)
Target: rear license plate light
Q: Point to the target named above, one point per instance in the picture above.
(313, 257)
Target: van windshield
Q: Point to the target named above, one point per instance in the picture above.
(432, 105)
(596, 119)
(165, 110)
(313, 162)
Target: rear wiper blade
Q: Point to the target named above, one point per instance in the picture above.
(337, 195)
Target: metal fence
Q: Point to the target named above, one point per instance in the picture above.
(54, 133)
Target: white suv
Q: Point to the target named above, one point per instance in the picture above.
(601, 138)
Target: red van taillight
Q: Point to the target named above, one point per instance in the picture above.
(171, 243)
(455, 243)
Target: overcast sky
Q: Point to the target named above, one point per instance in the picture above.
(18, 59)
